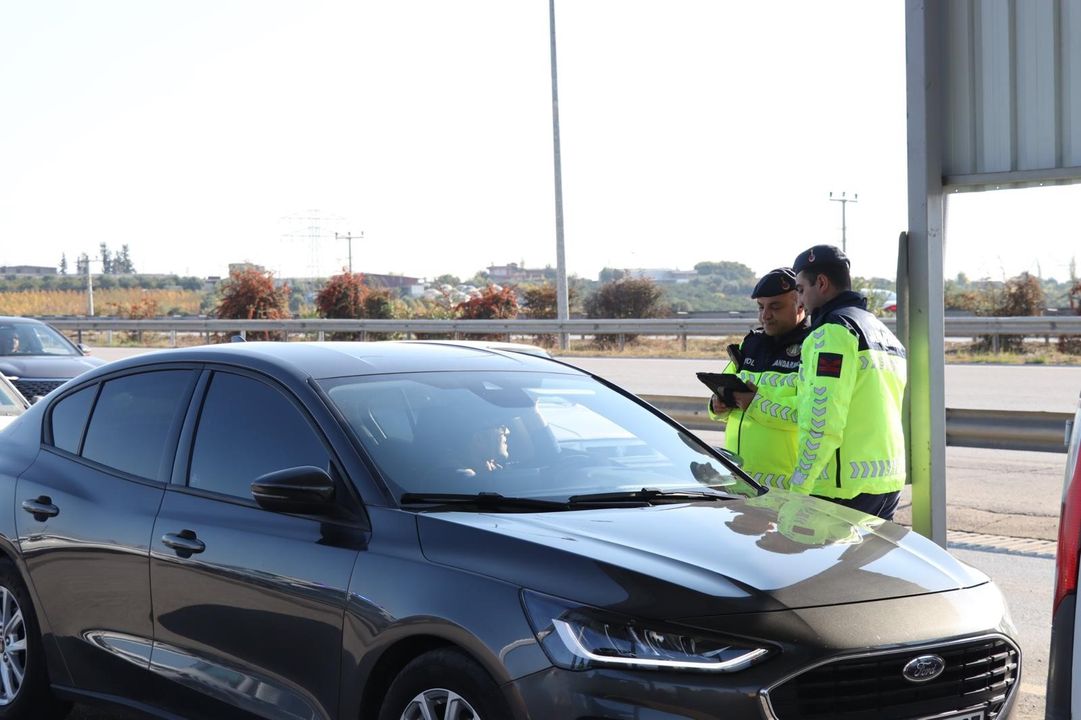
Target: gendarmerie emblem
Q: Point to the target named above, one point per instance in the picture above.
(793, 350)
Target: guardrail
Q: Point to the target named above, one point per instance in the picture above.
(954, 326)
(997, 429)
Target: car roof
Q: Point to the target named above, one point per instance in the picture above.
(19, 319)
(338, 359)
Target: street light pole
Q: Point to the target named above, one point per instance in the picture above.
(562, 302)
(844, 202)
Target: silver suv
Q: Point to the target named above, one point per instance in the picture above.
(1063, 683)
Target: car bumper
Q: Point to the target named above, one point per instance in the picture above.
(843, 640)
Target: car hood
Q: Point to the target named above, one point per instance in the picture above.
(46, 366)
(778, 551)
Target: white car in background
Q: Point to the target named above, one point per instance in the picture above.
(12, 403)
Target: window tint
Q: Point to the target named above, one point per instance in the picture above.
(247, 429)
(129, 429)
(69, 419)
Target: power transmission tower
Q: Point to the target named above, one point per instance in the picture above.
(844, 200)
(309, 228)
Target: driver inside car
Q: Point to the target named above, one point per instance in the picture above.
(9, 341)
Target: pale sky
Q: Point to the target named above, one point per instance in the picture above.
(212, 131)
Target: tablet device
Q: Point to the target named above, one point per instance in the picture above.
(720, 382)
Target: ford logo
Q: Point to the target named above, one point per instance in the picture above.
(924, 668)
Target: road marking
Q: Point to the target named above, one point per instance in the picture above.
(1028, 547)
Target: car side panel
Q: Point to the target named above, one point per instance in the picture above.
(254, 621)
(89, 567)
(396, 594)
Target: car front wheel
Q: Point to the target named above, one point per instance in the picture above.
(443, 685)
(24, 684)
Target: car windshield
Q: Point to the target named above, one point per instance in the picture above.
(23, 338)
(547, 436)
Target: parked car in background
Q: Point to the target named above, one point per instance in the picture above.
(1064, 667)
(37, 358)
(880, 299)
(12, 403)
(396, 531)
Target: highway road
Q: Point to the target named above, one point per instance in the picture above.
(981, 387)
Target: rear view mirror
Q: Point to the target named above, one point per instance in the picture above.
(303, 489)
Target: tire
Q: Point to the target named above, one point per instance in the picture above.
(25, 693)
(452, 686)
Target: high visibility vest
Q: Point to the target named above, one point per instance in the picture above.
(850, 387)
(764, 435)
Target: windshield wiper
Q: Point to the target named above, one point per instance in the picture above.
(649, 496)
(485, 500)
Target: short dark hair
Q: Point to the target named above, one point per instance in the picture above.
(838, 275)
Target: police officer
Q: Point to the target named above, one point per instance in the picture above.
(761, 426)
(851, 381)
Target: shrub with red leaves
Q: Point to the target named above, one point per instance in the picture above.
(493, 303)
(346, 296)
(250, 295)
(343, 296)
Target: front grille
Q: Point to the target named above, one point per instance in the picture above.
(978, 673)
(30, 388)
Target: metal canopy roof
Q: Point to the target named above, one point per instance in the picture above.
(1012, 99)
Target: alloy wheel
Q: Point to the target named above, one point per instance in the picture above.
(439, 704)
(13, 657)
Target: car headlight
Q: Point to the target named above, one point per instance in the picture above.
(577, 637)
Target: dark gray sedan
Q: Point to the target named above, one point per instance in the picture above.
(38, 359)
(408, 530)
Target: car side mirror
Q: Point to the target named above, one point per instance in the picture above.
(83, 349)
(303, 489)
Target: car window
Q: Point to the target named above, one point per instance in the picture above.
(247, 429)
(47, 341)
(25, 338)
(69, 418)
(130, 426)
(542, 435)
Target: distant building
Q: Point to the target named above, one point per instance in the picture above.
(27, 270)
(512, 272)
(411, 285)
(662, 275)
(244, 267)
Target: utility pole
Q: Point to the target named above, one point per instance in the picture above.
(844, 202)
(89, 285)
(349, 236)
(562, 309)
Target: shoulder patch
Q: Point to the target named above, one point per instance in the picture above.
(829, 365)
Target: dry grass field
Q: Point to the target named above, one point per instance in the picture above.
(116, 302)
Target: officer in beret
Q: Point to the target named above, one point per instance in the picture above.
(851, 445)
(760, 426)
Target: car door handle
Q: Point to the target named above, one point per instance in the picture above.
(42, 508)
(184, 542)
